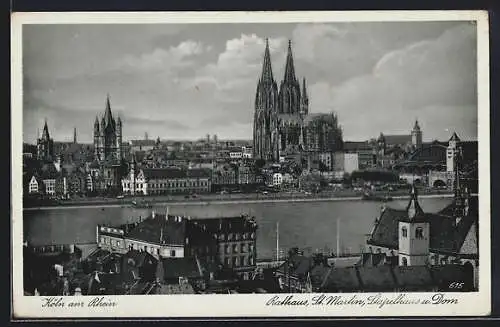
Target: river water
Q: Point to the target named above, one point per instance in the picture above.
(308, 225)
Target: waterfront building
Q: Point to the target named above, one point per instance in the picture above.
(236, 242)
(161, 235)
(224, 176)
(230, 241)
(108, 136)
(33, 186)
(415, 237)
(45, 145)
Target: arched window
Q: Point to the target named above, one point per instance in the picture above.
(404, 261)
(419, 233)
(404, 232)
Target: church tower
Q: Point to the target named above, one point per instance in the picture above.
(108, 136)
(414, 232)
(416, 135)
(45, 145)
(265, 119)
(451, 153)
(289, 93)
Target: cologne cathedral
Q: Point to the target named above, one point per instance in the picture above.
(282, 123)
(108, 136)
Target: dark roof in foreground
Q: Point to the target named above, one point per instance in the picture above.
(390, 278)
(160, 230)
(445, 236)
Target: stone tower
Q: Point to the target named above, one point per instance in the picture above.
(265, 115)
(45, 145)
(108, 136)
(414, 232)
(416, 135)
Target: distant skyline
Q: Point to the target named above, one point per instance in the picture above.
(186, 81)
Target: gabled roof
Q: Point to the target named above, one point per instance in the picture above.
(445, 235)
(49, 171)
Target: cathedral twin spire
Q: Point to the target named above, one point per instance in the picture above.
(290, 87)
(267, 71)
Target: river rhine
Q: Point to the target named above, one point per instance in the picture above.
(308, 225)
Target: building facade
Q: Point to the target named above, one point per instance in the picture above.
(108, 136)
(159, 181)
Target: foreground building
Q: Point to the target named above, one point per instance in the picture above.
(229, 242)
(412, 237)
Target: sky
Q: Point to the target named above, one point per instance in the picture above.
(186, 81)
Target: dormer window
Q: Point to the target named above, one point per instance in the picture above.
(419, 233)
(404, 232)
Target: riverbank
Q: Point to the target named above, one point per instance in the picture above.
(219, 199)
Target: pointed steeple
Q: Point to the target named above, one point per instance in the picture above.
(416, 127)
(108, 117)
(289, 67)
(45, 133)
(305, 98)
(267, 71)
(414, 210)
(455, 137)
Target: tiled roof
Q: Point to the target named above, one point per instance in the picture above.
(153, 230)
(49, 171)
(413, 278)
(390, 278)
(376, 278)
(444, 236)
(341, 280)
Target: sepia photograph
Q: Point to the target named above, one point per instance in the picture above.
(285, 160)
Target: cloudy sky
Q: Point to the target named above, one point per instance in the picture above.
(184, 81)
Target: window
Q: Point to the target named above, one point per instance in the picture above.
(236, 237)
(404, 232)
(242, 248)
(226, 249)
(419, 233)
(229, 236)
(404, 261)
(235, 248)
(172, 253)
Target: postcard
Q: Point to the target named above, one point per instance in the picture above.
(250, 164)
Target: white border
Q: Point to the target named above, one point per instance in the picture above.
(470, 304)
